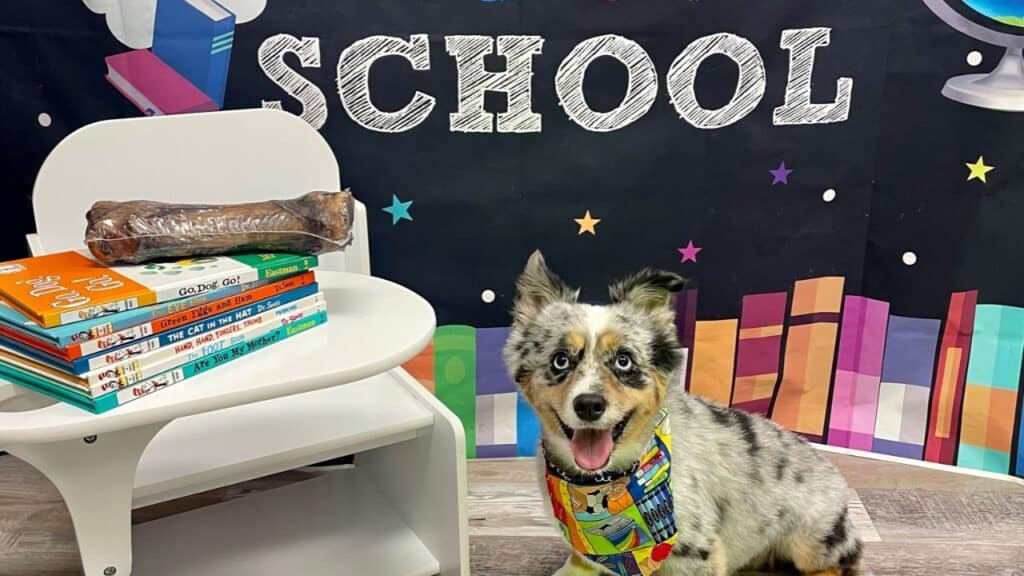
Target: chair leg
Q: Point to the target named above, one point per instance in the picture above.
(95, 476)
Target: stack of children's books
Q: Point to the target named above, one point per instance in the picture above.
(99, 336)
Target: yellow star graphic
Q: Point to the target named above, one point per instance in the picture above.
(979, 170)
(587, 224)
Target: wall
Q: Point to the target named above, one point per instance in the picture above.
(826, 216)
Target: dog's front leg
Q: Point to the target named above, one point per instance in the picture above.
(697, 550)
(576, 565)
(695, 554)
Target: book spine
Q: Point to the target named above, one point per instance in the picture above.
(208, 363)
(143, 315)
(247, 272)
(220, 59)
(182, 316)
(287, 269)
(129, 371)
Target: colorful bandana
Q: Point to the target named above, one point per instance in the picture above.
(624, 523)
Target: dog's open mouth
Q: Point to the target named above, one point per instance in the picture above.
(592, 448)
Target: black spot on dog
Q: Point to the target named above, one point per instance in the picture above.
(852, 557)
(665, 354)
(799, 477)
(838, 534)
(521, 373)
(634, 379)
(557, 377)
(780, 468)
(525, 348)
(747, 430)
(695, 524)
(684, 550)
(782, 514)
(721, 415)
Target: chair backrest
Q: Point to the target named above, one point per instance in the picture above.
(216, 157)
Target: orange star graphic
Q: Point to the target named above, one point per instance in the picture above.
(587, 224)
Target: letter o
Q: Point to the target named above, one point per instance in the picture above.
(749, 88)
(640, 93)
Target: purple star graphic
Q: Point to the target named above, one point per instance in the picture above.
(780, 174)
(689, 253)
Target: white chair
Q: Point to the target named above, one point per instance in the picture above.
(334, 391)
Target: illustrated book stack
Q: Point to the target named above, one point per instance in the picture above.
(187, 68)
(99, 336)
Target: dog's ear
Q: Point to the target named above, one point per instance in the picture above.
(649, 289)
(537, 287)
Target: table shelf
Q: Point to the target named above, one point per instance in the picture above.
(334, 524)
(220, 448)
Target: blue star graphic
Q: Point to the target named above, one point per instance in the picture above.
(398, 210)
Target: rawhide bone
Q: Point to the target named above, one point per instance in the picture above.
(143, 231)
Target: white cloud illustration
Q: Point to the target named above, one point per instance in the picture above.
(131, 21)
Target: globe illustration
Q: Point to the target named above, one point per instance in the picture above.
(996, 22)
(1009, 12)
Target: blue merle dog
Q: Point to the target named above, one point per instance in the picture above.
(747, 494)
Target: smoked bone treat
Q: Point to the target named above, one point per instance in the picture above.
(142, 231)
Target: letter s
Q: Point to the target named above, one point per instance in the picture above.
(271, 58)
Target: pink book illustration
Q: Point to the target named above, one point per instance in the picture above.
(153, 86)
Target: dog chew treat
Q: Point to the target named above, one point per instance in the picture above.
(141, 231)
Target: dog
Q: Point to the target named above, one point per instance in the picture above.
(642, 478)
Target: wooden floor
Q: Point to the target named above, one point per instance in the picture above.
(916, 522)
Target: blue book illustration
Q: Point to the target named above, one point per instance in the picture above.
(139, 349)
(195, 37)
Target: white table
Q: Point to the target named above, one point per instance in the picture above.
(333, 391)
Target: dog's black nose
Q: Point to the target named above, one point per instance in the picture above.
(589, 407)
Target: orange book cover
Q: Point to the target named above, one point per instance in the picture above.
(66, 287)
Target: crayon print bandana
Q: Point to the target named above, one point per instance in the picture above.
(626, 524)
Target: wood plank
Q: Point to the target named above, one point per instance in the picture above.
(924, 521)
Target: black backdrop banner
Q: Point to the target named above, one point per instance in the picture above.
(745, 148)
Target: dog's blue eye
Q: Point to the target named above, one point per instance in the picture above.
(623, 362)
(560, 361)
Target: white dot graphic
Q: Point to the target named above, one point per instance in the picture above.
(487, 296)
(974, 58)
(909, 258)
(829, 195)
(45, 120)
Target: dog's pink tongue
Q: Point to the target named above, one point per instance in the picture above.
(592, 448)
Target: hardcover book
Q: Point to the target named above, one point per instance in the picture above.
(153, 86)
(134, 370)
(99, 334)
(195, 37)
(141, 350)
(55, 389)
(68, 287)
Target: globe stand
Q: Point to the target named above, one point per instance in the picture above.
(1002, 89)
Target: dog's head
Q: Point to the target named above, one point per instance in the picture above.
(595, 375)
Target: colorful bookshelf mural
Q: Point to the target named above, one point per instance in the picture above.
(851, 375)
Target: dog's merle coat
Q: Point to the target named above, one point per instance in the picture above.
(747, 492)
